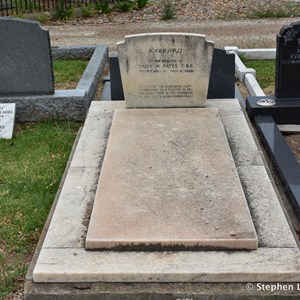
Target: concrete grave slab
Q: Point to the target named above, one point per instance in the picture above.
(165, 69)
(25, 58)
(168, 181)
(65, 270)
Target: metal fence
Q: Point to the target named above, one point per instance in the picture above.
(16, 7)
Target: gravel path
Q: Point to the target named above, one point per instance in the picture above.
(222, 21)
(241, 33)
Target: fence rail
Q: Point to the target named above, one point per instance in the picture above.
(16, 7)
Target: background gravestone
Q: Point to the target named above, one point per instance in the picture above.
(288, 62)
(25, 58)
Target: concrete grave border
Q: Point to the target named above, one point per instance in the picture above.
(267, 118)
(65, 268)
(64, 104)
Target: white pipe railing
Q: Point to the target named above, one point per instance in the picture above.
(245, 75)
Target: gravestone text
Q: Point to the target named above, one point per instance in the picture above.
(165, 70)
(7, 120)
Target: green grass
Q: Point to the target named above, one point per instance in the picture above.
(67, 73)
(265, 71)
(32, 164)
(103, 6)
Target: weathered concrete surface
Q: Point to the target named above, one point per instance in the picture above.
(277, 257)
(168, 181)
(79, 265)
(150, 291)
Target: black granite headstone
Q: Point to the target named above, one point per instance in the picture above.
(287, 83)
(222, 75)
(115, 78)
(25, 58)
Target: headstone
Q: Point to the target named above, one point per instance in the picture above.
(25, 58)
(287, 83)
(7, 120)
(165, 69)
(221, 81)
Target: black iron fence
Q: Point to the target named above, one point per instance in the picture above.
(17, 7)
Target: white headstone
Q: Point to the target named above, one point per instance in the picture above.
(165, 69)
(7, 120)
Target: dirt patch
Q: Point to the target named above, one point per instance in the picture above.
(66, 85)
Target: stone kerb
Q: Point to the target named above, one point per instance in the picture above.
(165, 69)
(25, 58)
(63, 104)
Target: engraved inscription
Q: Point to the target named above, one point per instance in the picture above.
(166, 50)
(4, 111)
(7, 113)
(293, 58)
(165, 70)
(166, 91)
(163, 65)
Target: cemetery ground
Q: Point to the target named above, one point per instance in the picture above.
(33, 163)
(52, 141)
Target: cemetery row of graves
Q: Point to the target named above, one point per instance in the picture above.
(165, 190)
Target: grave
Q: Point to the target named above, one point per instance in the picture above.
(267, 112)
(7, 120)
(168, 70)
(26, 74)
(174, 201)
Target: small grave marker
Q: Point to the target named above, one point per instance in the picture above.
(165, 69)
(7, 120)
(287, 83)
